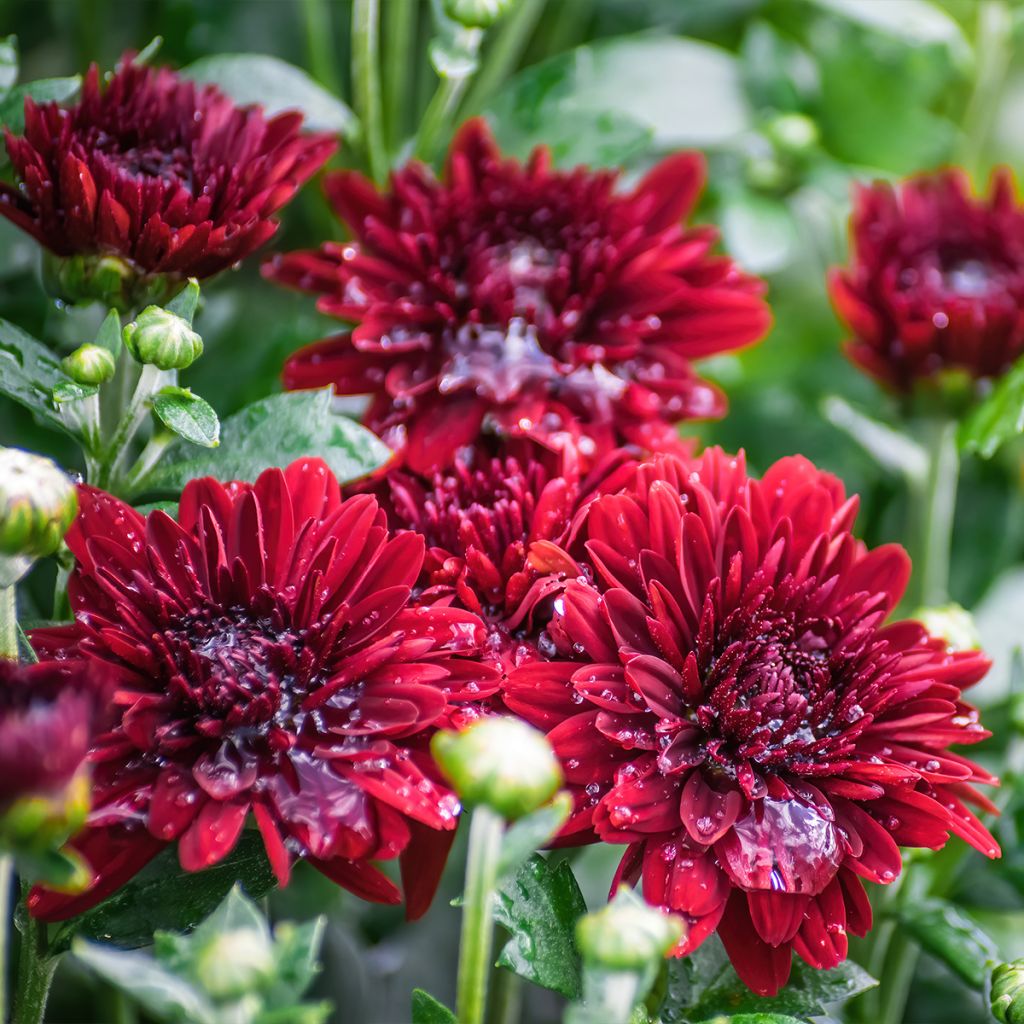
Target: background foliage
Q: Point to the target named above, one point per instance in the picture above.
(791, 100)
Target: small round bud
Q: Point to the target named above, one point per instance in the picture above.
(89, 364)
(792, 133)
(104, 278)
(235, 962)
(162, 339)
(38, 503)
(1007, 994)
(500, 762)
(477, 13)
(628, 934)
(953, 624)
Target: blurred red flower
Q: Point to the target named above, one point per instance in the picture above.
(731, 705)
(170, 176)
(524, 301)
(268, 659)
(936, 279)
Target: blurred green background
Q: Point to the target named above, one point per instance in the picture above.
(791, 100)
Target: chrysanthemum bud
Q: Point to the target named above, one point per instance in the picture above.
(953, 624)
(627, 934)
(1007, 995)
(477, 13)
(163, 339)
(43, 822)
(500, 762)
(792, 133)
(89, 364)
(235, 962)
(37, 504)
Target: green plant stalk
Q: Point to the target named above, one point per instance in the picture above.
(6, 878)
(366, 94)
(317, 19)
(436, 118)
(506, 1003)
(994, 50)
(934, 508)
(35, 973)
(150, 381)
(399, 58)
(8, 627)
(502, 56)
(486, 829)
(148, 458)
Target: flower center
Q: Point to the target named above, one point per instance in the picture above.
(149, 160)
(971, 278)
(521, 270)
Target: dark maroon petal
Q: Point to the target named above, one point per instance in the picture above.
(762, 967)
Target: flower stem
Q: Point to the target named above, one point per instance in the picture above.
(35, 972)
(435, 118)
(6, 878)
(150, 381)
(994, 49)
(486, 829)
(366, 83)
(934, 503)
(317, 21)
(400, 33)
(8, 626)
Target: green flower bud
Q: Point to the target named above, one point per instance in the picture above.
(1007, 995)
(792, 133)
(38, 503)
(477, 13)
(502, 763)
(236, 962)
(162, 339)
(36, 824)
(953, 624)
(628, 934)
(89, 364)
(104, 278)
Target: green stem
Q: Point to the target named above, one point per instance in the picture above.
(503, 53)
(436, 117)
(148, 458)
(400, 33)
(934, 509)
(486, 829)
(506, 1004)
(150, 381)
(317, 18)
(994, 52)
(6, 878)
(366, 95)
(8, 627)
(35, 972)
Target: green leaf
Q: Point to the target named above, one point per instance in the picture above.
(941, 929)
(540, 906)
(164, 897)
(277, 86)
(758, 230)
(149, 51)
(915, 22)
(528, 834)
(30, 373)
(427, 1010)
(889, 447)
(274, 432)
(758, 1018)
(8, 63)
(687, 93)
(45, 90)
(161, 993)
(71, 391)
(185, 302)
(109, 334)
(236, 913)
(778, 74)
(296, 948)
(188, 416)
(998, 418)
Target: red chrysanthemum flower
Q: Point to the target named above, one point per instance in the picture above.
(936, 279)
(495, 529)
(48, 714)
(268, 659)
(524, 301)
(733, 707)
(169, 176)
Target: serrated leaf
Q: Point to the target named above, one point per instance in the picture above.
(941, 929)
(45, 90)
(188, 416)
(169, 998)
(997, 418)
(277, 86)
(427, 1010)
(30, 373)
(164, 897)
(528, 834)
(8, 63)
(274, 432)
(540, 906)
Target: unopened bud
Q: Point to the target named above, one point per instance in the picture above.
(628, 934)
(953, 624)
(792, 133)
(89, 364)
(36, 824)
(499, 762)
(477, 13)
(1007, 994)
(235, 962)
(38, 503)
(162, 339)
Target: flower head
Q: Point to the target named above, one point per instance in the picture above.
(524, 301)
(732, 706)
(269, 659)
(936, 279)
(155, 176)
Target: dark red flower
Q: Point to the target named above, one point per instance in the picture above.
(492, 527)
(269, 660)
(732, 707)
(522, 300)
(48, 715)
(936, 279)
(168, 175)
